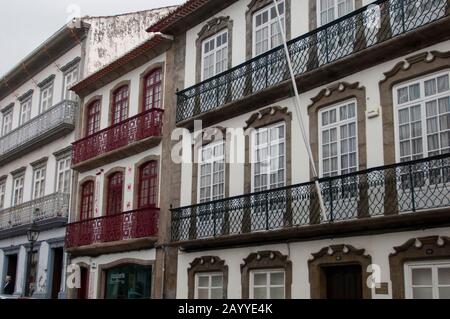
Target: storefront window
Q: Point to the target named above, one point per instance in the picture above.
(128, 282)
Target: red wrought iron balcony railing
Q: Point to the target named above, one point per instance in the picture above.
(142, 126)
(134, 224)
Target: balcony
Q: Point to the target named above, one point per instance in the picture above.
(316, 56)
(113, 233)
(52, 212)
(126, 138)
(41, 130)
(395, 196)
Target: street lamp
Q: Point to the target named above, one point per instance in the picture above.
(32, 236)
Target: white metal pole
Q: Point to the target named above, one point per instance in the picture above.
(299, 114)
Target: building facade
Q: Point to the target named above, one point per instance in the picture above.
(374, 109)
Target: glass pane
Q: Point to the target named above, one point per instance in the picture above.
(443, 83)
(444, 293)
(277, 293)
(203, 281)
(421, 276)
(422, 293)
(259, 293)
(202, 293)
(260, 279)
(277, 278)
(216, 281)
(444, 276)
(216, 293)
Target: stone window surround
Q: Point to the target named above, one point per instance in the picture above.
(212, 27)
(142, 77)
(48, 82)
(206, 264)
(106, 176)
(412, 67)
(60, 155)
(255, 6)
(68, 67)
(39, 164)
(116, 87)
(337, 255)
(314, 12)
(85, 111)
(101, 283)
(430, 248)
(266, 260)
(137, 167)
(207, 137)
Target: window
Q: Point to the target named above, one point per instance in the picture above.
(63, 175)
(46, 97)
(70, 78)
(153, 90)
(2, 194)
(269, 149)
(18, 183)
(128, 281)
(212, 172)
(25, 111)
(330, 10)
(422, 115)
(267, 284)
(120, 105)
(428, 280)
(115, 193)
(209, 286)
(39, 182)
(148, 184)
(93, 118)
(338, 140)
(7, 122)
(87, 200)
(215, 55)
(267, 34)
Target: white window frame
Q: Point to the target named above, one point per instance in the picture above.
(39, 181)
(62, 173)
(209, 287)
(25, 110)
(214, 53)
(48, 100)
(69, 95)
(337, 125)
(335, 9)
(18, 190)
(7, 121)
(268, 273)
(255, 148)
(268, 24)
(434, 265)
(422, 100)
(211, 161)
(2, 194)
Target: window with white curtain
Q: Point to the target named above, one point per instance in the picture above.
(7, 122)
(2, 194)
(422, 116)
(427, 280)
(70, 78)
(18, 184)
(215, 55)
(25, 111)
(266, 30)
(267, 284)
(63, 175)
(39, 182)
(338, 139)
(46, 97)
(209, 286)
(212, 172)
(269, 157)
(330, 10)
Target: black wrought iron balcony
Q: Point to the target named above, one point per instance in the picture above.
(46, 127)
(361, 29)
(395, 190)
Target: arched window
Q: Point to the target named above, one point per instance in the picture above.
(120, 105)
(87, 200)
(115, 194)
(148, 184)
(93, 118)
(153, 90)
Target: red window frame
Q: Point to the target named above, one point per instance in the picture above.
(153, 90)
(148, 185)
(120, 104)
(87, 201)
(115, 194)
(93, 118)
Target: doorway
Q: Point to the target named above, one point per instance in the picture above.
(344, 282)
(11, 269)
(83, 291)
(58, 256)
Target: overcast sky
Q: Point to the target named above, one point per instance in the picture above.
(25, 24)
